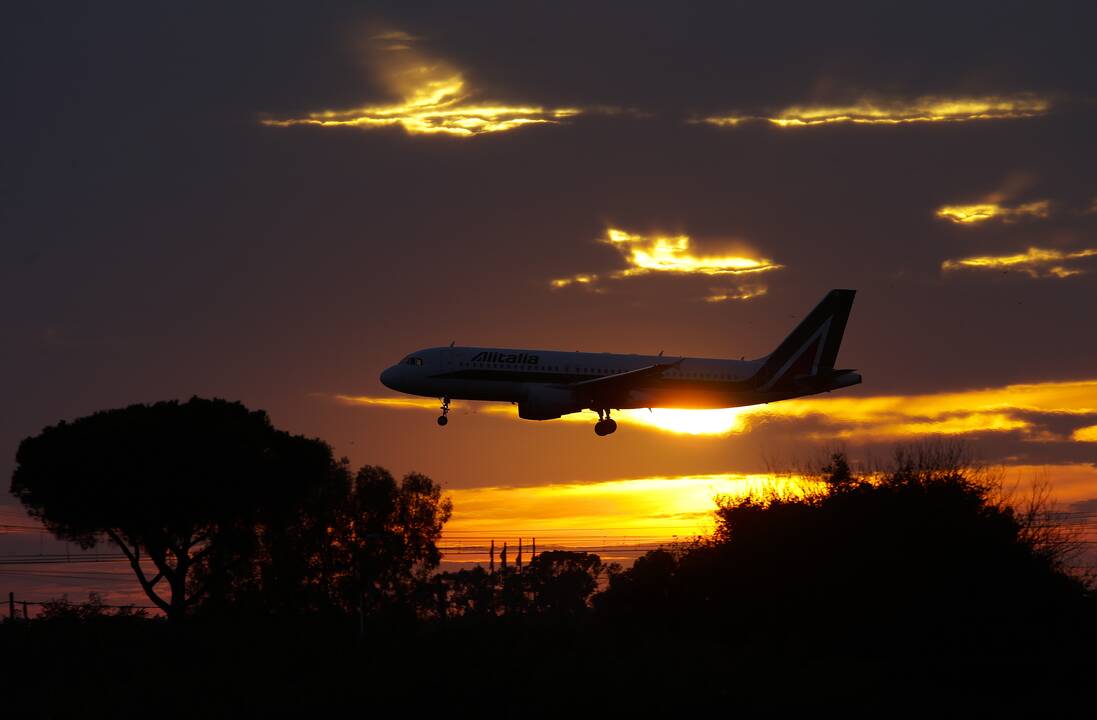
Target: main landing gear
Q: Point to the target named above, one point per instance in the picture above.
(445, 411)
(605, 425)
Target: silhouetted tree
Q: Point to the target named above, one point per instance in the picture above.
(179, 485)
(925, 548)
(93, 608)
(562, 582)
(278, 560)
(645, 589)
(513, 596)
(470, 593)
(920, 555)
(837, 474)
(384, 542)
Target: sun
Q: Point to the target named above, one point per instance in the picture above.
(724, 421)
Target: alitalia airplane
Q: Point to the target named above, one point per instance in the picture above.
(546, 384)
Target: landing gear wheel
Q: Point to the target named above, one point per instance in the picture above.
(605, 425)
(443, 420)
(445, 411)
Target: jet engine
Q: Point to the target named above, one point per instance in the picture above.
(548, 403)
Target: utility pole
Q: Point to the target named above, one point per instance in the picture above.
(519, 561)
(503, 557)
(533, 552)
(26, 615)
(491, 562)
(11, 605)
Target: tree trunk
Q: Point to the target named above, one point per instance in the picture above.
(177, 605)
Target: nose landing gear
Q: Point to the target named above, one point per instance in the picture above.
(605, 425)
(442, 420)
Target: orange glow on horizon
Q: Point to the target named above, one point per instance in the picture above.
(895, 112)
(670, 508)
(642, 505)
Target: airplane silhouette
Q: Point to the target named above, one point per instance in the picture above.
(547, 384)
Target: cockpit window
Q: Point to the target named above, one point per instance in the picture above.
(415, 361)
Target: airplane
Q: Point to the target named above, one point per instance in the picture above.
(547, 384)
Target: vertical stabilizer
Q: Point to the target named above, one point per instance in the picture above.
(812, 348)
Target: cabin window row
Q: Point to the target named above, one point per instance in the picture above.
(591, 371)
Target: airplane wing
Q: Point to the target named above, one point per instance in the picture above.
(617, 385)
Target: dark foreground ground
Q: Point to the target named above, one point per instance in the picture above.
(141, 668)
(919, 592)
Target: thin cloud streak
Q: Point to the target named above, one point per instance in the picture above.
(740, 292)
(1034, 262)
(870, 111)
(982, 212)
(986, 410)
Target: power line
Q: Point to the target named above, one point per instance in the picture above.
(41, 603)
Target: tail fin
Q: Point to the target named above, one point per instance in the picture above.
(812, 348)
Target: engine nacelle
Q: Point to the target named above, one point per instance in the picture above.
(548, 403)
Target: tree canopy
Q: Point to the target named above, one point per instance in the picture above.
(171, 484)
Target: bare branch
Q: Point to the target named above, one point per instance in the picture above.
(135, 563)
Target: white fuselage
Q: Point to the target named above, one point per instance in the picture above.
(511, 375)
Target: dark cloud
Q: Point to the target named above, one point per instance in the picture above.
(169, 244)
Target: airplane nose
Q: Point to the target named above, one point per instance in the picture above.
(388, 377)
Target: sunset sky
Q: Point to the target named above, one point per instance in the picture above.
(273, 204)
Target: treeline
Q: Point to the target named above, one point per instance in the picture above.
(291, 583)
(221, 514)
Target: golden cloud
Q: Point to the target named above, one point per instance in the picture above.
(895, 112)
(981, 212)
(673, 254)
(580, 279)
(434, 99)
(740, 292)
(902, 417)
(1035, 262)
(1085, 434)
